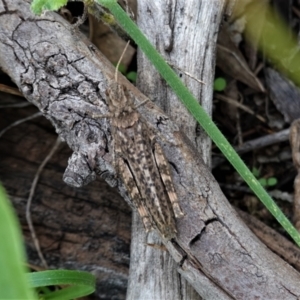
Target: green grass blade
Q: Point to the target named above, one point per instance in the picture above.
(13, 283)
(38, 6)
(82, 283)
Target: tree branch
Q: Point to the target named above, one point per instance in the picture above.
(65, 78)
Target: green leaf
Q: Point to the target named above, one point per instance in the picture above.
(38, 6)
(220, 84)
(13, 283)
(122, 68)
(256, 172)
(272, 181)
(131, 76)
(82, 283)
(263, 182)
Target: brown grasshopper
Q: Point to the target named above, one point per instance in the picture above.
(140, 161)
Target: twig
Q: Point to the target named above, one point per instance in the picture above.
(239, 105)
(29, 201)
(17, 105)
(261, 142)
(186, 73)
(81, 19)
(10, 90)
(38, 114)
(264, 141)
(295, 142)
(277, 194)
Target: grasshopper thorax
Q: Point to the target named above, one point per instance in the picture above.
(121, 106)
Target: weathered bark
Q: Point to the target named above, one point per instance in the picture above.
(86, 228)
(173, 26)
(65, 78)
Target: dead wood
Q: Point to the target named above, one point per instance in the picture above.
(66, 77)
(81, 229)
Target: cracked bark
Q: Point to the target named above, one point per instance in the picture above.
(65, 77)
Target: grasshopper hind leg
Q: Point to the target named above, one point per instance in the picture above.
(134, 194)
(165, 174)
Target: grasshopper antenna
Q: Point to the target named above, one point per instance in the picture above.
(118, 64)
